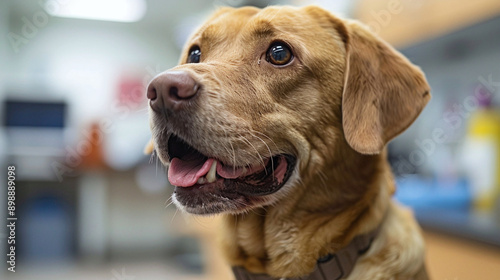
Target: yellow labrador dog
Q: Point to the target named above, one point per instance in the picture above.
(278, 118)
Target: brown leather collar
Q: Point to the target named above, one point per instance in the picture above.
(331, 267)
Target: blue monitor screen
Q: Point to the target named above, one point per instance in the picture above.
(34, 114)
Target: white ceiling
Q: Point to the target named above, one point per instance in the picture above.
(172, 12)
(159, 12)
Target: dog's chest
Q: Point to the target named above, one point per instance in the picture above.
(250, 236)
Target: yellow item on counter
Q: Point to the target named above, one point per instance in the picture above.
(482, 149)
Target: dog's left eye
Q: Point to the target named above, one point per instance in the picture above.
(194, 55)
(279, 54)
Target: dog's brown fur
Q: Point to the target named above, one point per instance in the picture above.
(344, 96)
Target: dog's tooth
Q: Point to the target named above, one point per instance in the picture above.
(211, 175)
(202, 180)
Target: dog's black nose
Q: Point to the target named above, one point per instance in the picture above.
(171, 90)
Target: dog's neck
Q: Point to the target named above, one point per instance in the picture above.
(326, 215)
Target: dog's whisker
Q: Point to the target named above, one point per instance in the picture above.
(251, 156)
(234, 155)
(145, 109)
(271, 140)
(197, 220)
(268, 149)
(170, 203)
(258, 156)
(262, 161)
(173, 217)
(267, 137)
(151, 157)
(257, 213)
(156, 166)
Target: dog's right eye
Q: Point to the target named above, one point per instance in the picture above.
(279, 54)
(194, 55)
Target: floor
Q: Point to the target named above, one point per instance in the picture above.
(450, 258)
(117, 271)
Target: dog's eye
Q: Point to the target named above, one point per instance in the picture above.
(194, 55)
(279, 54)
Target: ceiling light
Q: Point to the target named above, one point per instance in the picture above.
(108, 10)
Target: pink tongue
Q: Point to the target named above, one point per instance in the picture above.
(186, 173)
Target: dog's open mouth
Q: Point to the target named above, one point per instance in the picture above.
(205, 185)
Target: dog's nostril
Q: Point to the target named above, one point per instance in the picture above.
(174, 93)
(151, 94)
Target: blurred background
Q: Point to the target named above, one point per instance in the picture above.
(91, 205)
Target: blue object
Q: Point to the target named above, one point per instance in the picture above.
(418, 192)
(35, 114)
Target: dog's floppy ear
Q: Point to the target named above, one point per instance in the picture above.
(149, 147)
(383, 92)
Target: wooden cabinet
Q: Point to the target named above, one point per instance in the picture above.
(406, 22)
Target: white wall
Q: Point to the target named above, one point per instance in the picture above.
(81, 61)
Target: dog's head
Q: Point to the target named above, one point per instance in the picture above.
(261, 99)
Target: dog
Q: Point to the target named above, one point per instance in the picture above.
(278, 119)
